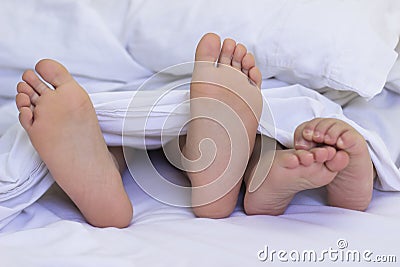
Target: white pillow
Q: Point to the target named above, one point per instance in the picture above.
(346, 45)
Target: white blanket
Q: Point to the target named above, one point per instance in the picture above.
(93, 49)
(25, 177)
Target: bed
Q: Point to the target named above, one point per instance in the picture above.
(117, 49)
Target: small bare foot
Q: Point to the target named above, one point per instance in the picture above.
(63, 127)
(225, 107)
(352, 187)
(292, 171)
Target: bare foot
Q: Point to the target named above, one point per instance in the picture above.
(225, 108)
(63, 127)
(292, 171)
(352, 187)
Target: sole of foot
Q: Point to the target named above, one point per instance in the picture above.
(63, 127)
(352, 187)
(291, 171)
(225, 107)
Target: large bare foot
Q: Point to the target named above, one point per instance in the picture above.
(225, 107)
(352, 187)
(291, 171)
(63, 127)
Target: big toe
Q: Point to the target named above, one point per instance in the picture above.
(338, 162)
(53, 72)
(299, 141)
(208, 48)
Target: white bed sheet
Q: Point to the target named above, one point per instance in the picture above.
(52, 232)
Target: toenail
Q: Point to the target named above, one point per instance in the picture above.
(308, 132)
(316, 134)
(301, 144)
(340, 142)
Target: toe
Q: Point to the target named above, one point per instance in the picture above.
(334, 132)
(322, 132)
(53, 72)
(331, 152)
(228, 48)
(26, 117)
(309, 130)
(238, 55)
(248, 62)
(323, 154)
(289, 160)
(255, 76)
(299, 141)
(340, 160)
(26, 89)
(349, 139)
(22, 100)
(34, 82)
(320, 154)
(306, 158)
(342, 135)
(208, 48)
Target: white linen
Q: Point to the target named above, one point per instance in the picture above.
(69, 31)
(346, 45)
(123, 124)
(24, 178)
(9, 115)
(393, 80)
(48, 230)
(52, 232)
(351, 47)
(101, 54)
